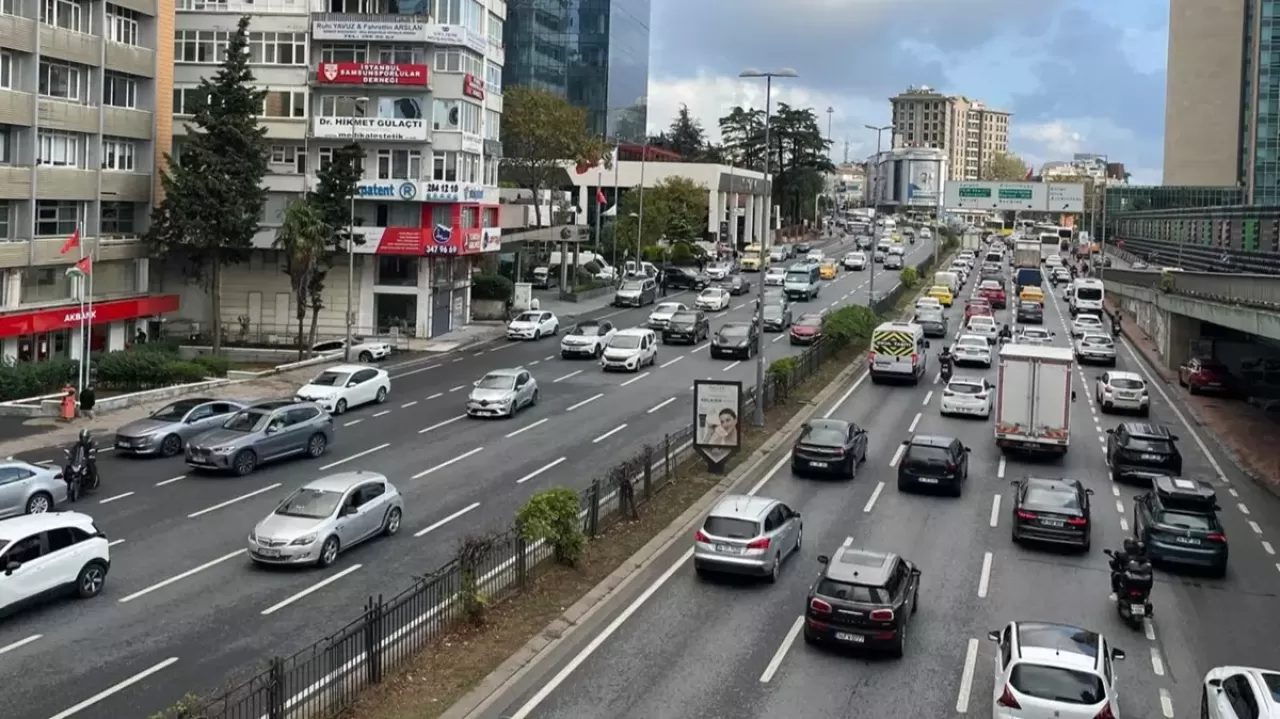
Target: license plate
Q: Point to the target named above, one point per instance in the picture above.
(269, 552)
(855, 638)
(728, 549)
(122, 444)
(882, 361)
(1187, 540)
(1137, 610)
(817, 464)
(1152, 457)
(1051, 522)
(927, 480)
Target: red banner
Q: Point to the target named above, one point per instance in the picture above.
(60, 318)
(400, 241)
(370, 73)
(473, 86)
(423, 241)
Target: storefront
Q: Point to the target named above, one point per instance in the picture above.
(47, 333)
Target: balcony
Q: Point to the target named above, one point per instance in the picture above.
(69, 116)
(126, 122)
(18, 33)
(15, 182)
(126, 186)
(370, 74)
(55, 42)
(130, 59)
(66, 183)
(15, 107)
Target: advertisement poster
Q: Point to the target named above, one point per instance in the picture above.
(371, 128)
(717, 412)
(370, 73)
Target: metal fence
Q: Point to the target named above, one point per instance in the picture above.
(1201, 257)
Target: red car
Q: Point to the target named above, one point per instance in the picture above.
(806, 330)
(994, 294)
(1204, 375)
(981, 308)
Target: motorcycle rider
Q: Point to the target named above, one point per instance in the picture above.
(84, 451)
(946, 362)
(1133, 552)
(1006, 334)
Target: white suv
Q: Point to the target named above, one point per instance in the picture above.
(1238, 692)
(1122, 390)
(50, 554)
(1034, 660)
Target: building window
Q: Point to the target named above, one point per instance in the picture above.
(459, 60)
(445, 115)
(203, 5)
(118, 218)
(292, 157)
(492, 124)
(448, 12)
(495, 29)
(470, 118)
(444, 167)
(57, 218)
(6, 144)
(473, 13)
(60, 149)
(493, 78)
(118, 154)
(285, 103)
(343, 52)
(44, 284)
(402, 55)
(343, 106)
(6, 70)
(326, 156)
(122, 25)
(6, 226)
(8, 7)
(399, 165)
(65, 14)
(119, 91)
(365, 7)
(200, 46)
(186, 100)
(278, 48)
(397, 271)
(61, 81)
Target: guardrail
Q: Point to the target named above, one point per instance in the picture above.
(1260, 291)
(1202, 258)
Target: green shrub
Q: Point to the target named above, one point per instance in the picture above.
(138, 369)
(909, 276)
(185, 372)
(552, 516)
(652, 253)
(782, 369)
(491, 287)
(849, 324)
(19, 380)
(213, 365)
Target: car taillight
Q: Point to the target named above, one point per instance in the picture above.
(915, 357)
(981, 395)
(1217, 538)
(1077, 521)
(1007, 699)
(758, 543)
(948, 393)
(951, 466)
(882, 615)
(819, 606)
(701, 536)
(1026, 515)
(871, 356)
(1105, 713)
(58, 475)
(1135, 592)
(1108, 388)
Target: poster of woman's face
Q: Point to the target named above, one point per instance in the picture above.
(717, 409)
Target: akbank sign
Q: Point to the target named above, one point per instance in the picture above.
(402, 190)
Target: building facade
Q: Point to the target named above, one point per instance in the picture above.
(84, 95)
(594, 53)
(419, 87)
(967, 130)
(907, 178)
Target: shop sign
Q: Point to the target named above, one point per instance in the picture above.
(457, 35)
(442, 242)
(370, 73)
(371, 128)
(370, 31)
(472, 86)
(491, 240)
(472, 144)
(473, 241)
(387, 190)
(60, 318)
(400, 241)
(444, 192)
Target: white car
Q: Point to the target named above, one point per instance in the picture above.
(855, 261)
(718, 271)
(713, 299)
(533, 325)
(775, 276)
(588, 338)
(1122, 390)
(1096, 348)
(35, 569)
(1034, 336)
(968, 396)
(360, 350)
(1255, 691)
(928, 303)
(1087, 324)
(983, 326)
(960, 269)
(630, 350)
(815, 257)
(972, 349)
(1053, 261)
(344, 386)
(1034, 661)
(661, 315)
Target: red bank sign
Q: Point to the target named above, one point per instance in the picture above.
(370, 73)
(472, 86)
(60, 318)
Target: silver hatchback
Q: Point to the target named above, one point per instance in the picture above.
(747, 535)
(325, 517)
(27, 488)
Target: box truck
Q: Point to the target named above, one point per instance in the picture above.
(1033, 399)
(1026, 253)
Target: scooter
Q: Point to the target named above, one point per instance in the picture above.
(1132, 589)
(945, 371)
(76, 474)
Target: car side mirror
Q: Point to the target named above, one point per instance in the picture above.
(1217, 508)
(1111, 431)
(915, 572)
(1089, 492)
(994, 636)
(1215, 683)
(967, 450)
(1174, 437)
(12, 567)
(476, 383)
(348, 510)
(823, 559)
(272, 429)
(352, 383)
(1117, 654)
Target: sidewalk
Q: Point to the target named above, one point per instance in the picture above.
(1244, 431)
(461, 338)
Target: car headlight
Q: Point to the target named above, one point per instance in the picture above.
(222, 450)
(253, 538)
(303, 541)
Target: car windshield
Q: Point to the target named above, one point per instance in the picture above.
(1029, 307)
(800, 277)
(730, 527)
(733, 331)
(847, 592)
(1271, 680)
(809, 322)
(176, 411)
(1088, 320)
(624, 342)
(684, 318)
(527, 317)
(1126, 383)
(586, 330)
(331, 379)
(1036, 334)
(990, 285)
(632, 286)
(1186, 520)
(666, 308)
(496, 381)
(1051, 498)
(710, 293)
(310, 503)
(1143, 444)
(826, 435)
(247, 421)
(772, 312)
(1089, 294)
(973, 342)
(1098, 340)
(1059, 684)
(966, 388)
(939, 290)
(928, 454)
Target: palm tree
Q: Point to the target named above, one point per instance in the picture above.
(304, 239)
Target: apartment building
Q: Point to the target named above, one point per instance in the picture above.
(84, 89)
(969, 132)
(419, 86)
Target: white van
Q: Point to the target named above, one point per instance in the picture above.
(589, 262)
(898, 352)
(645, 268)
(949, 279)
(1086, 295)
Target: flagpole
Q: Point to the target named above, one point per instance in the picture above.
(88, 316)
(80, 371)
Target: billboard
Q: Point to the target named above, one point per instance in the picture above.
(1030, 196)
(387, 190)
(370, 30)
(370, 73)
(371, 128)
(456, 35)
(472, 86)
(437, 240)
(717, 410)
(1065, 197)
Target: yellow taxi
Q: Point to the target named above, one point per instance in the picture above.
(1032, 294)
(942, 294)
(827, 270)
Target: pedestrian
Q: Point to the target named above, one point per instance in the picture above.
(87, 400)
(701, 263)
(662, 282)
(141, 337)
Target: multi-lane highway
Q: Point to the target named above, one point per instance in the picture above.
(676, 646)
(184, 609)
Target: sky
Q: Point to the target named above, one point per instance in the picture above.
(1078, 75)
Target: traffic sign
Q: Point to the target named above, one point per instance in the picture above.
(1027, 196)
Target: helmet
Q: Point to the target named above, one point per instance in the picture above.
(1132, 547)
(1141, 546)
(84, 435)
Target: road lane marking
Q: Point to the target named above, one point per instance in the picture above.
(115, 689)
(610, 433)
(847, 394)
(735, 364)
(984, 580)
(46, 462)
(1000, 468)
(1232, 491)
(779, 338)
(534, 362)
(995, 511)
(440, 523)
(897, 456)
(455, 389)
(1266, 546)
(310, 590)
(233, 500)
(20, 643)
(776, 662)
(637, 378)
(586, 401)
(1243, 509)
(1120, 506)
(1124, 524)
(117, 497)
(458, 359)
(179, 478)
(446, 463)
(540, 470)
(699, 348)
(548, 358)
(440, 424)
(1115, 490)
(414, 371)
(914, 422)
(115, 542)
(875, 494)
(385, 411)
(357, 455)
(848, 542)
(660, 405)
(670, 362)
(1157, 663)
(928, 396)
(966, 676)
(1254, 526)
(436, 395)
(1149, 629)
(1166, 703)
(179, 577)
(574, 373)
(407, 405)
(352, 422)
(526, 428)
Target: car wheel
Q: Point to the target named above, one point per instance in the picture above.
(340, 407)
(328, 552)
(316, 445)
(915, 601)
(170, 446)
(537, 394)
(775, 569)
(39, 503)
(799, 539)
(850, 469)
(391, 524)
(245, 462)
(366, 356)
(537, 335)
(382, 395)
(899, 648)
(91, 579)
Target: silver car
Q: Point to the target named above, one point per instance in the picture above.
(325, 517)
(747, 535)
(167, 430)
(1096, 348)
(262, 432)
(502, 393)
(27, 488)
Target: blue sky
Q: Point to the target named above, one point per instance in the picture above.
(1079, 75)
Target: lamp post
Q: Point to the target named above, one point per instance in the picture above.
(765, 243)
(875, 200)
(830, 111)
(351, 238)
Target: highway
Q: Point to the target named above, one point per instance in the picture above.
(676, 646)
(184, 610)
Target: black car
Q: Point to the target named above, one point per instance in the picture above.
(829, 446)
(777, 317)
(1030, 313)
(1053, 511)
(1178, 521)
(863, 599)
(736, 285)
(933, 462)
(864, 242)
(687, 326)
(735, 339)
(1142, 451)
(803, 247)
(933, 327)
(685, 278)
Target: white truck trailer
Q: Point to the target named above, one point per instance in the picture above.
(1033, 399)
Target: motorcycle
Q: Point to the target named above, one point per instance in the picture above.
(77, 474)
(1131, 581)
(946, 370)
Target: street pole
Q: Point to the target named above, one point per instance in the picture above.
(875, 200)
(617, 202)
(351, 257)
(644, 155)
(599, 204)
(1102, 246)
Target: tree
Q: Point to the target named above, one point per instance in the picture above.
(797, 154)
(675, 209)
(304, 238)
(213, 193)
(540, 132)
(686, 136)
(1005, 166)
(336, 183)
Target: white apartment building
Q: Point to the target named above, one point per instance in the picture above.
(419, 86)
(967, 130)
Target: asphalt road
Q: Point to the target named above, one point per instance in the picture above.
(675, 646)
(185, 609)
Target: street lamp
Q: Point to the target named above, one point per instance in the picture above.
(765, 242)
(824, 191)
(875, 200)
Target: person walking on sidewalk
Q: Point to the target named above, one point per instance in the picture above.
(87, 400)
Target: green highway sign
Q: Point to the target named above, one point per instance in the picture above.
(976, 192)
(1014, 194)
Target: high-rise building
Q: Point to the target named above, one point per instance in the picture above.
(967, 130)
(594, 53)
(419, 86)
(84, 95)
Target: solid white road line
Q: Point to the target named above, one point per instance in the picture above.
(441, 423)
(233, 500)
(586, 401)
(875, 494)
(984, 580)
(767, 476)
(897, 456)
(637, 378)
(776, 662)
(574, 373)
(179, 577)
(526, 428)
(670, 362)
(966, 677)
(915, 421)
(660, 405)
(357, 455)
(109, 500)
(735, 364)
(1000, 468)
(995, 511)
(20, 643)
(413, 371)
(179, 478)
(436, 525)
(540, 470)
(848, 542)
(115, 689)
(779, 338)
(310, 590)
(446, 463)
(847, 394)
(609, 434)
